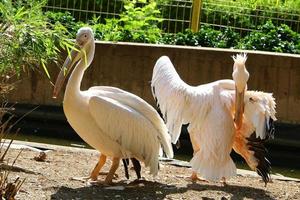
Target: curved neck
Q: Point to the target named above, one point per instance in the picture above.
(74, 82)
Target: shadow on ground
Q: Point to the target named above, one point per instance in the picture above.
(155, 190)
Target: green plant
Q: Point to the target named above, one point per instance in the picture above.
(251, 14)
(65, 19)
(139, 21)
(27, 39)
(268, 38)
(272, 38)
(110, 31)
(206, 37)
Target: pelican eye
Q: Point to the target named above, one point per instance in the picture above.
(251, 100)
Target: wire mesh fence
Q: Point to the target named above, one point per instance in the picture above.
(177, 14)
(245, 18)
(84, 10)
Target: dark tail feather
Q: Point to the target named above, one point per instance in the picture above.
(126, 163)
(137, 167)
(271, 129)
(263, 167)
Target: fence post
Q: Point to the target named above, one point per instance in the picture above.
(196, 13)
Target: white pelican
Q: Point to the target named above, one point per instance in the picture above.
(210, 110)
(115, 122)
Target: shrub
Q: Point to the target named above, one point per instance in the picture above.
(27, 40)
(140, 23)
(206, 37)
(129, 29)
(65, 19)
(272, 38)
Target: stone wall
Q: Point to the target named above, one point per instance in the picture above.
(129, 66)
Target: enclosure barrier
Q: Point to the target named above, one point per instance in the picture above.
(129, 66)
(179, 15)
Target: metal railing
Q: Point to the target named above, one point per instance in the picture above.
(178, 14)
(243, 18)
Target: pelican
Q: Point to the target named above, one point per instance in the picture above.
(222, 116)
(117, 123)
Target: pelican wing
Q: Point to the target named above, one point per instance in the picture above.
(257, 127)
(142, 107)
(135, 134)
(178, 102)
(260, 110)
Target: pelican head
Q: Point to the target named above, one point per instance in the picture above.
(240, 76)
(83, 52)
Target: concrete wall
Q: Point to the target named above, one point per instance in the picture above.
(129, 66)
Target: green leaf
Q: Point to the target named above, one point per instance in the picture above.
(45, 68)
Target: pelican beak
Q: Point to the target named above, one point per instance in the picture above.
(239, 107)
(65, 70)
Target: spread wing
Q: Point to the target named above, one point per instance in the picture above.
(178, 102)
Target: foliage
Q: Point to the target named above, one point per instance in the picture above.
(206, 37)
(140, 22)
(65, 19)
(137, 23)
(27, 40)
(268, 38)
(251, 14)
(245, 14)
(272, 38)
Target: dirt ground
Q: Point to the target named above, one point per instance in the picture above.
(52, 180)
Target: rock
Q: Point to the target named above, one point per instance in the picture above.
(115, 188)
(41, 157)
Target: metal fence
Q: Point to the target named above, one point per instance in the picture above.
(245, 18)
(177, 14)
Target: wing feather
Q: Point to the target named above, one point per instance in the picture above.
(134, 133)
(260, 112)
(178, 102)
(257, 128)
(142, 107)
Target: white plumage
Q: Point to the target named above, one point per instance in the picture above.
(209, 111)
(115, 122)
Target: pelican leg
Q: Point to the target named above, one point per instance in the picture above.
(95, 172)
(98, 167)
(113, 169)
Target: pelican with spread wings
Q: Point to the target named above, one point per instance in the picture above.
(222, 116)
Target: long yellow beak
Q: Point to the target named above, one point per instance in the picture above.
(65, 70)
(239, 108)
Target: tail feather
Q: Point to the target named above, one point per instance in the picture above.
(137, 167)
(213, 169)
(263, 165)
(252, 149)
